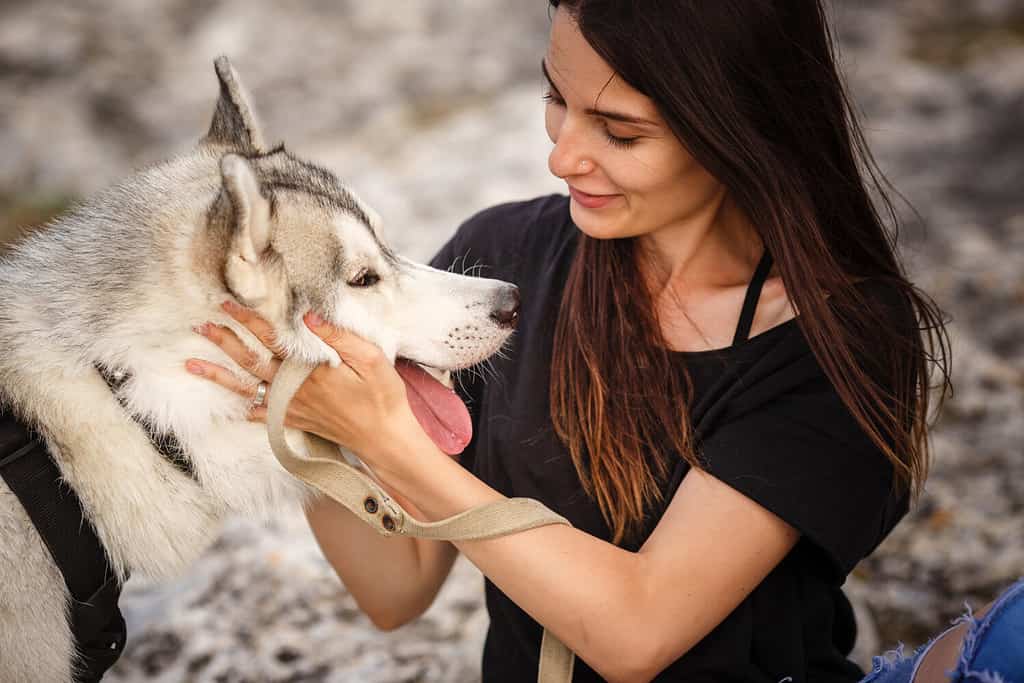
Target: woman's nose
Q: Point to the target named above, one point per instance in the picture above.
(565, 157)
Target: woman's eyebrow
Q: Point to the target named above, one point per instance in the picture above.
(547, 76)
(613, 115)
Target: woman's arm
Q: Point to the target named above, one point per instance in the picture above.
(628, 615)
(393, 580)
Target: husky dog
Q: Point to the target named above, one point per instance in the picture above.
(119, 283)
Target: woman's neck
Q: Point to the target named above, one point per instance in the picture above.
(713, 249)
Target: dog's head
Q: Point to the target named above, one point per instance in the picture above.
(297, 240)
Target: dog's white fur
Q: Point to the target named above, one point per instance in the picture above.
(121, 280)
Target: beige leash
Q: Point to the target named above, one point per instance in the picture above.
(335, 478)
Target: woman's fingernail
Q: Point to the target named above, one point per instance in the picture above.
(194, 367)
(230, 306)
(201, 329)
(314, 320)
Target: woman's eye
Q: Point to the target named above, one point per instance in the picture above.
(616, 141)
(551, 97)
(367, 278)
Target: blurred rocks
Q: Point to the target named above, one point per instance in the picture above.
(264, 605)
(432, 111)
(942, 88)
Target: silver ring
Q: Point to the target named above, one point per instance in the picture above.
(261, 395)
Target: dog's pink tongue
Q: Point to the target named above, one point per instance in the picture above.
(440, 411)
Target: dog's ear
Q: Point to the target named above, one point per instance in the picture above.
(244, 271)
(234, 121)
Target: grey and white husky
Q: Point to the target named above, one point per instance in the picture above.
(120, 281)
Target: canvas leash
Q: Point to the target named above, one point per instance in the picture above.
(326, 472)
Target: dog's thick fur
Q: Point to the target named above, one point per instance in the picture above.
(120, 281)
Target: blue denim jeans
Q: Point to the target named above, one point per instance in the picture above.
(992, 652)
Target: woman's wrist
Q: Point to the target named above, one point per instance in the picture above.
(432, 480)
(397, 459)
(385, 452)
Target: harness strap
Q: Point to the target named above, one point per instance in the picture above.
(325, 471)
(165, 443)
(56, 512)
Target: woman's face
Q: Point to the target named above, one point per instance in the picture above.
(628, 175)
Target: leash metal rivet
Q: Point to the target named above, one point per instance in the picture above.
(388, 522)
(370, 505)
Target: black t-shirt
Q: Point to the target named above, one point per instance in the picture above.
(769, 423)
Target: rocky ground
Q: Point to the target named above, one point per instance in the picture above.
(432, 111)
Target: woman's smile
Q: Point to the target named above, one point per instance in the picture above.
(591, 201)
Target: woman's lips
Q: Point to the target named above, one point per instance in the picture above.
(591, 201)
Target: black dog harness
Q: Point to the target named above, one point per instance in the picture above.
(31, 473)
(56, 512)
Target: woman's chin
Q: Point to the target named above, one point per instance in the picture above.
(600, 224)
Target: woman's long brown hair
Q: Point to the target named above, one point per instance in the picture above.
(752, 90)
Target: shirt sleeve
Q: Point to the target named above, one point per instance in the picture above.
(804, 457)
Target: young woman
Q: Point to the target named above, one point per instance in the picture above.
(719, 375)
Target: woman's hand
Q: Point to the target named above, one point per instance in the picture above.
(361, 404)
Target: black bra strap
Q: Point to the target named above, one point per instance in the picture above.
(753, 294)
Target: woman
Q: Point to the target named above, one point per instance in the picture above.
(718, 377)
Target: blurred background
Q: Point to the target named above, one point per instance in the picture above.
(432, 110)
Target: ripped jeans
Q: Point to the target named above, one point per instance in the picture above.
(992, 651)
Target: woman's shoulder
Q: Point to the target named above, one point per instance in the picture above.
(547, 209)
(497, 240)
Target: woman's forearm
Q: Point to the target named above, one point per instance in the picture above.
(581, 588)
(573, 583)
(393, 579)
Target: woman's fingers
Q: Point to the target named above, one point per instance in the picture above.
(222, 376)
(227, 379)
(229, 342)
(356, 352)
(253, 322)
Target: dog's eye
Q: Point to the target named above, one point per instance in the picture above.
(367, 278)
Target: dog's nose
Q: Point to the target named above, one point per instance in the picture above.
(506, 307)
